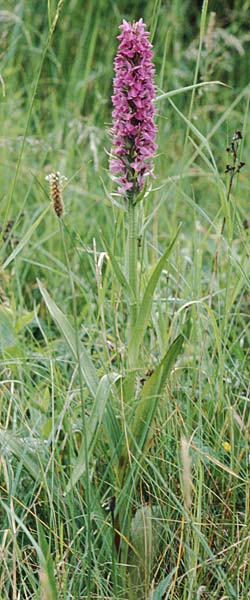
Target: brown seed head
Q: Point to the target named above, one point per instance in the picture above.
(209, 37)
(55, 181)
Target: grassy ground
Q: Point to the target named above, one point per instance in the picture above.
(101, 498)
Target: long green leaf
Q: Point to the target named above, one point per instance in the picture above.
(148, 402)
(93, 426)
(188, 88)
(48, 566)
(7, 332)
(113, 432)
(86, 365)
(198, 135)
(12, 513)
(161, 589)
(26, 453)
(25, 239)
(140, 430)
(117, 270)
(171, 356)
(146, 306)
(41, 549)
(152, 389)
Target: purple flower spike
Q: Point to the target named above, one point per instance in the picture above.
(133, 128)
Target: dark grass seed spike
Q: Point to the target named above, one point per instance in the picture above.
(55, 180)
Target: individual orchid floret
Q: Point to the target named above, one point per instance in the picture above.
(133, 128)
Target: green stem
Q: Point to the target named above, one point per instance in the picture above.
(132, 249)
(129, 382)
(84, 424)
(132, 262)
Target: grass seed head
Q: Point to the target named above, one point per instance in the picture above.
(209, 37)
(56, 181)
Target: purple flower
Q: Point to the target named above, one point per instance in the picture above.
(133, 128)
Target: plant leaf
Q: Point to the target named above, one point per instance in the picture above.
(146, 306)
(117, 270)
(23, 451)
(170, 358)
(47, 566)
(187, 89)
(93, 426)
(141, 194)
(151, 391)
(24, 320)
(26, 531)
(86, 365)
(198, 134)
(148, 402)
(42, 551)
(163, 585)
(113, 432)
(24, 239)
(7, 333)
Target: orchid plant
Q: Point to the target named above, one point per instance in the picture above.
(131, 165)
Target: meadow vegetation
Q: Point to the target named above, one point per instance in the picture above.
(125, 454)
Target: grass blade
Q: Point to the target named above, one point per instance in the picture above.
(25, 454)
(25, 239)
(46, 564)
(198, 134)
(86, 365)
(188, 88)
(93, 426)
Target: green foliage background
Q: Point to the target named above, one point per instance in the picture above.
(56, 115)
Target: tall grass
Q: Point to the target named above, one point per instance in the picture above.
(99, 498)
